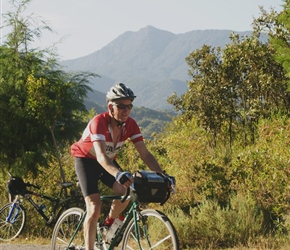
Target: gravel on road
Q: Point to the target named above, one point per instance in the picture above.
(7, 246)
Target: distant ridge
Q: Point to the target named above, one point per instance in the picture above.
(150, 61)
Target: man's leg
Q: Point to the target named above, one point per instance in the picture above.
(93, 204)
(117, 206)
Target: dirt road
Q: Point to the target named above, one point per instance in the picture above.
(5, 246)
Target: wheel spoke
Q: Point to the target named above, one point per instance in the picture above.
(64, 230)
(12, 228)
(153, 231)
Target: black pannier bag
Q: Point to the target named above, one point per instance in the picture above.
(150, 187)
(16, 186)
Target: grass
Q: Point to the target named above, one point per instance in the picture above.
(30, 241)
(206, 227)
(263, 245)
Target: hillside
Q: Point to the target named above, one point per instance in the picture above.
(150, 61)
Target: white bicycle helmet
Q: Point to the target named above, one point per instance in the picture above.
(120, 91)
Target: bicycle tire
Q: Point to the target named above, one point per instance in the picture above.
(64, 229)
(67, 205)
(155, 231)
(10, 230)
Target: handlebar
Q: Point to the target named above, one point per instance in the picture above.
(27, 184)
(31, 185)
(172, 183)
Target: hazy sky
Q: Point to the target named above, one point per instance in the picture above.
(89, 25)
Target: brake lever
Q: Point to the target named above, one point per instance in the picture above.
(172, 182)
(126, 195)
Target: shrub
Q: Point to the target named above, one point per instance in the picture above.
(209, 226)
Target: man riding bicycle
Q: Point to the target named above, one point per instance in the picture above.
(95, 157)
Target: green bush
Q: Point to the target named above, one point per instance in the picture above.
(208, 226)
(225, 198)
(208, 174)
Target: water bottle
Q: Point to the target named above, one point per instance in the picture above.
(50, 218)
(42, 207)
(113, 229)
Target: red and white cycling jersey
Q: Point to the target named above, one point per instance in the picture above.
(99, 129)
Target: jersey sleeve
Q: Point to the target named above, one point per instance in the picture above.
(97, 129)
(135, 135)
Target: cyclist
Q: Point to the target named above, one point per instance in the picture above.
(95, 157)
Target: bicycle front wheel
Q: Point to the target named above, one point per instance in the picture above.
(153, 230)
(65, 228)
(12, 221)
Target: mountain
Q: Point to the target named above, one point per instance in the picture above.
(150, 61)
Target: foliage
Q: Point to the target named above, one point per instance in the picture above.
(235, 126)
(231, 89)
(264, 172)
(41, 105)
(208, 226)
(277, 25)
(228, 147)
(219, 180)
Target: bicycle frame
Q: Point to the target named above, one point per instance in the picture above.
(38, 209)
(136, 229)
(17, 202)
(16, 205)
(132, 213)
(13, 214)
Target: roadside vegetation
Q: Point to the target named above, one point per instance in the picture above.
(228, 147)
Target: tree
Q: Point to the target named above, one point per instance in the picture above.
(40, 103)
(203, 98)
(257, 82)
(277, 26)
(231, 89)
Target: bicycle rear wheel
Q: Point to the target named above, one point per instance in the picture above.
(154, 231)
(11, 227)
(65, 228)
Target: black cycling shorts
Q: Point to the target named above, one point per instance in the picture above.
(89, 172)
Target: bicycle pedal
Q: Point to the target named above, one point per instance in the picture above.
(75, 248)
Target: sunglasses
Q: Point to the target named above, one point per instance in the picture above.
(123, 106)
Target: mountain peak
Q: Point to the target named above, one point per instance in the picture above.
(150, 61)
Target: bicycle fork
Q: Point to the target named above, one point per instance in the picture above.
(143, 221)
(145, 230)
(136, 217)
(70, 245)
(13, 213)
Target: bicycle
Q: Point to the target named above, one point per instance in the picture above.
(13, 214)
(140, 229)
